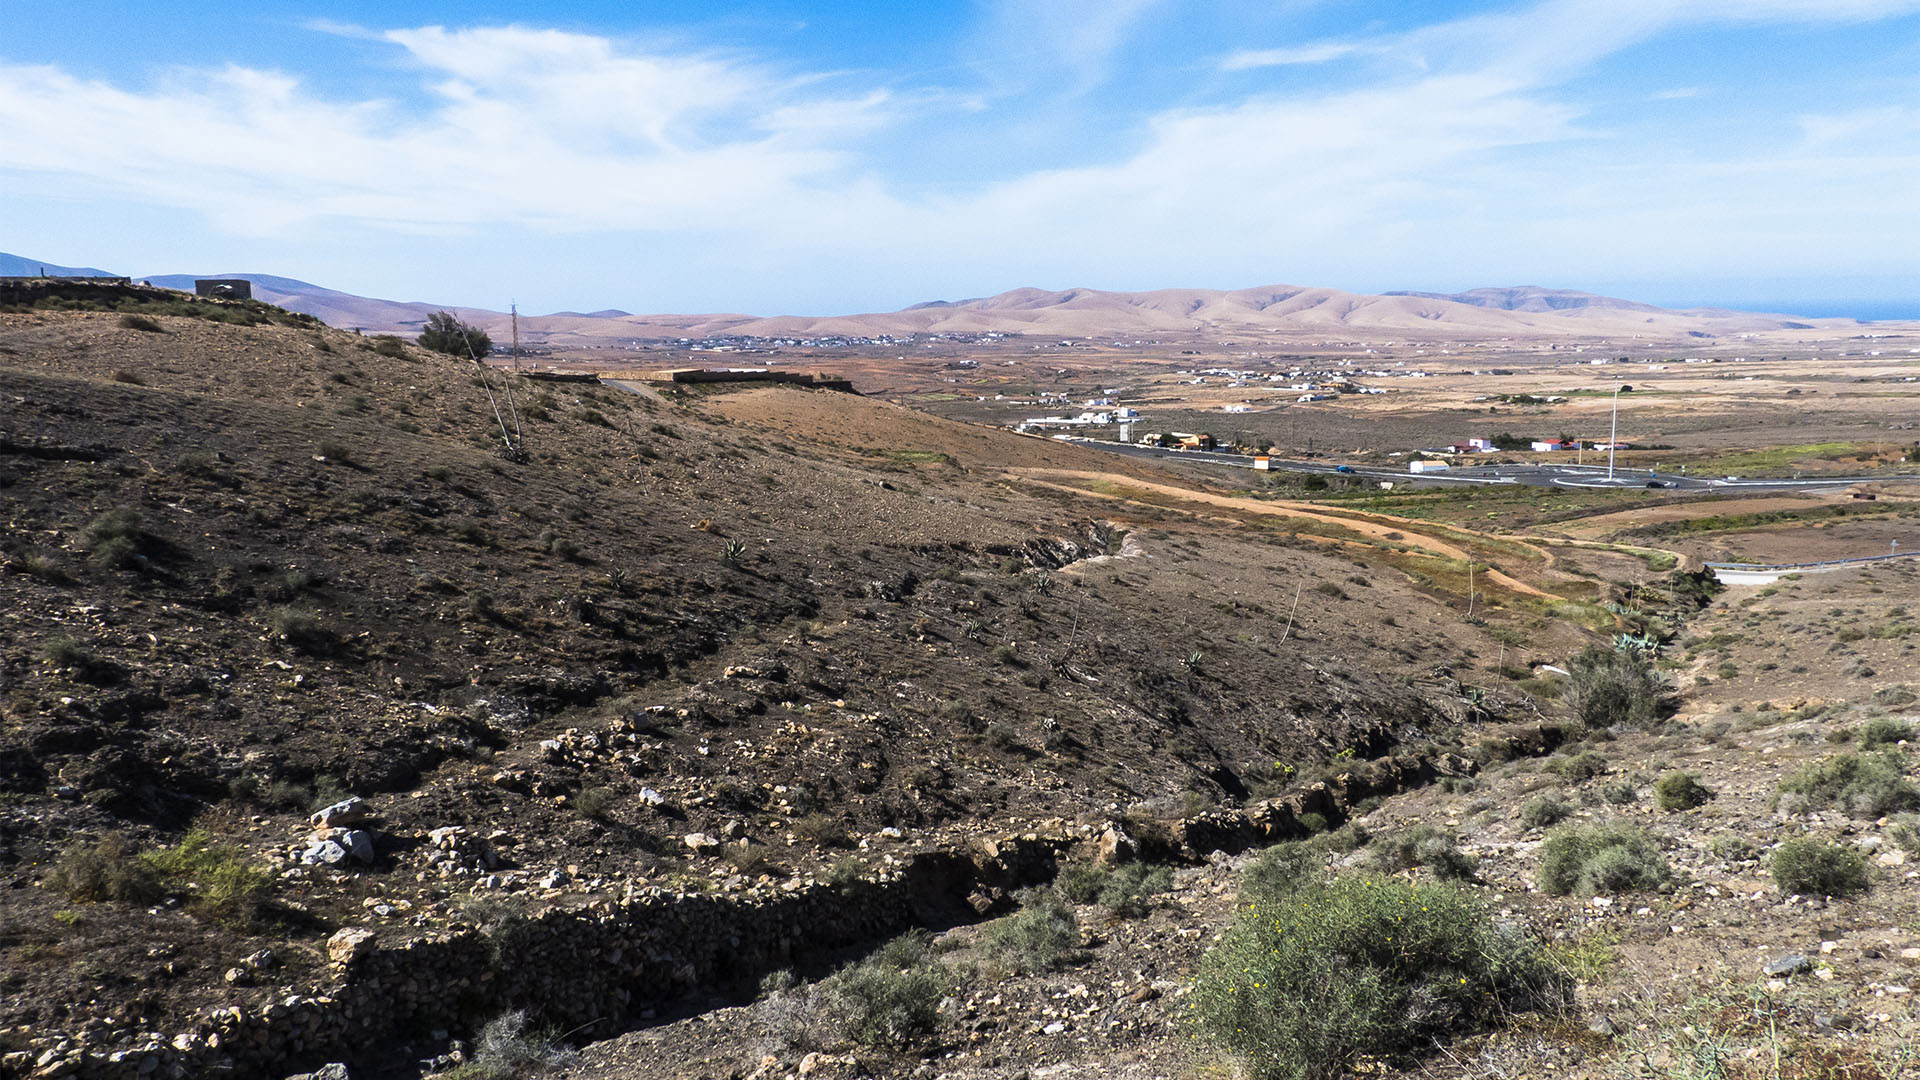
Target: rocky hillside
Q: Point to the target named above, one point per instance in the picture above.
(252, 571)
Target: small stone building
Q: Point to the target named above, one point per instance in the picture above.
(223, 288)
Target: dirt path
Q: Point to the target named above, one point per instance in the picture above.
(1379, 527)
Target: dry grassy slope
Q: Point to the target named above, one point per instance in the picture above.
(912, 659)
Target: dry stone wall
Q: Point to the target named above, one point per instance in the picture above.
(598, 968)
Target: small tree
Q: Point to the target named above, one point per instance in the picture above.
(447, 334)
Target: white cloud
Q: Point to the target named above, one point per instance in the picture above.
(1248, 59)
(537, 127)
(1458, 156)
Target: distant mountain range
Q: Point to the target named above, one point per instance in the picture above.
(16, 266)
(1521, 312)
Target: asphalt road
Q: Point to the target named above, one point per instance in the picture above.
(1569, 476)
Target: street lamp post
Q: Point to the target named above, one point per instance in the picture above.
(1613, 433)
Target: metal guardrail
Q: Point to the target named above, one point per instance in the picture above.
(1763, 568)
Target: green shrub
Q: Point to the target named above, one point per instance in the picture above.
(301, 630)
(506, 1050)
(116, 540)
(1127, 891)
(142, 323)
(66, 652)
(1608, 686)
(388, 345)
(1309, 984)
(445, 333)
(1729, 848)
(889, 999)
(1620, 792)
(1282, 869)
(1041, 936)
(1885, 731)
(1584, 765)
(217, 880)
(1589, 859)
(1864, 785)
(1424, 845)
(1905, 831)
(822, 829)
(595, 802)
(1816, 868)
(1544, 811)
(106, 869)
(1680, 790)
(1080, 882)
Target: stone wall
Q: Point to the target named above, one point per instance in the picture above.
(598, 968)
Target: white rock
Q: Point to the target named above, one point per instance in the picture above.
(350, 811)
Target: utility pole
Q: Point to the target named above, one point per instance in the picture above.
(516, 334)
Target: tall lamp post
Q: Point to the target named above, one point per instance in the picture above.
(1613, 436)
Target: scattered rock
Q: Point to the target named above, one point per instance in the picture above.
(350, 811)
(701, 843)
(348, 945)
(1114, 846)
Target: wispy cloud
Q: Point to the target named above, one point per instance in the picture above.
(1248, 59)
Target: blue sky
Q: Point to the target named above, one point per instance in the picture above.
(817, 158)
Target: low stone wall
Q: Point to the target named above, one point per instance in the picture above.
(595, 969)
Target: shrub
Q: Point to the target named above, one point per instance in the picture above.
(506, 1049)
(1864, 785)
(388, 345)
(1608, 686)
(1424, 845)
(1816, 868)
(595, 802)
(822, 829)
(143, 323)
(217, 880)
(1885, 731)
(1584, 765)
(336, 452)
(1282, 869)
(1620, 792)
(1544, 811)
(1731, 848)
(445, 333)
(106, 869)
(1128, 891)
(891, 997)
(1041, 936)
(1678, 791)
(1308, 984)
(299, 629)
(66, 652)
(1589, 859)
(131, 378)
(116, 540)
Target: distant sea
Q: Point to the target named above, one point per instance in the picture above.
(1815, 309)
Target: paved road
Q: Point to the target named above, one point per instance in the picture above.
(1567, 476)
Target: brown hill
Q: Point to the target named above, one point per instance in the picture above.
(1524, 313)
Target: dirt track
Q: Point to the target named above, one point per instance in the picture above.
(1379, 527)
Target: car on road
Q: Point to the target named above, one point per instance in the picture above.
(1659, 483)
(1343, 468)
